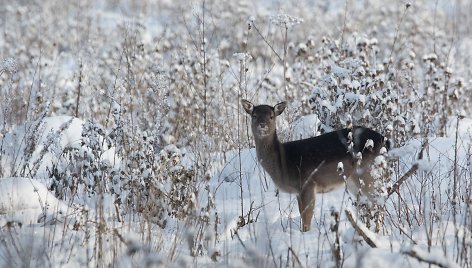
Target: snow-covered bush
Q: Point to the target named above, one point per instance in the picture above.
(357, 88)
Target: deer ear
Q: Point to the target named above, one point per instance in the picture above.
(279, 108)
(247, 105)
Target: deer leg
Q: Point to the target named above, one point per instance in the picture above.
(306, 206)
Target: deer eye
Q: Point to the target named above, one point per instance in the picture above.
(272, 116)
(254, 116)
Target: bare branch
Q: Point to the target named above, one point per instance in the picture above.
(266, 41)
(396, 186)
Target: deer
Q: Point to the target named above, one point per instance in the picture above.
(315, 165)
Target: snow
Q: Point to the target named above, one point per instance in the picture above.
(50, 137)
(250, 223)
(271, 220)
(15, 142)
(8, 65)
(305, 127)
(284, 20)
(24, 200)
(339, 71)
(276, 216)
(435, 257)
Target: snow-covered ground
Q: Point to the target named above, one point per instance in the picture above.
(123, 143)
(46, 231)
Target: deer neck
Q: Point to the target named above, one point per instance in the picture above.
(271, 155)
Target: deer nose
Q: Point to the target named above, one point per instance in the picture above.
(262, 125)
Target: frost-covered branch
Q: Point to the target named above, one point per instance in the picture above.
(429, 258)
(368, 236)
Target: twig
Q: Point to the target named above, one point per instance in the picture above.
(344, 22)
(395, 37)
(267, 42)
(360, 228)
(396, 186)
(337, 245)
(79, 90)
(240, 240)
(295, 256)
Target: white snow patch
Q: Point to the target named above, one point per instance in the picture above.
(25, 200)
(306, 127)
